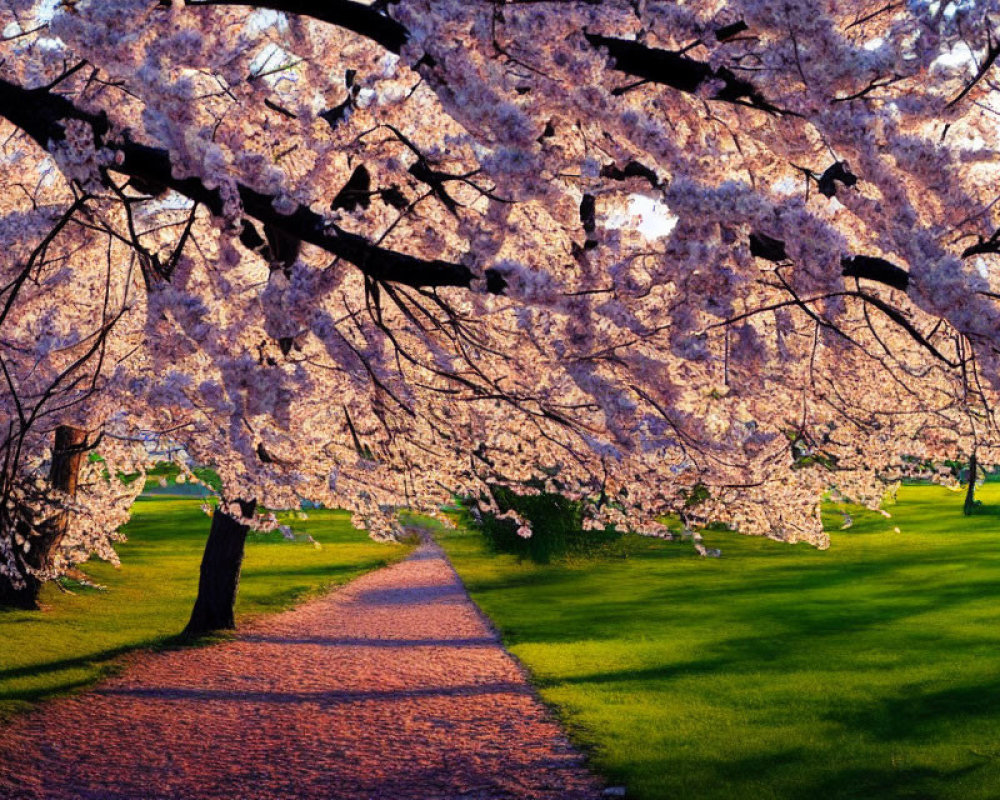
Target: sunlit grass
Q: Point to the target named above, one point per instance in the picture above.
(871, 670)
(78, 638)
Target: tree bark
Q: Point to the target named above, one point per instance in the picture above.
(970, 494)
(64, 475)
(215, 606)
(23, 599)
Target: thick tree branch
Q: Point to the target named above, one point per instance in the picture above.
(875, 269)
(767, 247)
(650, 64)
(868, 267)
(633, 169)
(679, 72)
(362, 19)
(984, 246)
(41, 115)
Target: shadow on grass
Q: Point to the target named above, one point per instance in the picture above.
(763, 775)
(307, 571)
(99, 665)
(985, 511)
(918, 713)
(98, 658)
(772, 602)
(904, 783)
(777, 671)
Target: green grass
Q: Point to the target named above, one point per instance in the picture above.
(871, 670)
(79, 638)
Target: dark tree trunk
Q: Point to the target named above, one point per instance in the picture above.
(64, 475)
(67, 454)
(214, 609)
(25, 598)
(970, 494)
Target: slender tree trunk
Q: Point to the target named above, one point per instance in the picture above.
(67, 454)
(214, 609)
(970, 494)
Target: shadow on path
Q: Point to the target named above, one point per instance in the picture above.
(390, 687)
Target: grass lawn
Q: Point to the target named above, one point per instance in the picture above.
(871, 670)
(77, 638)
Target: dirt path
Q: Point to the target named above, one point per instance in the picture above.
(392, 687)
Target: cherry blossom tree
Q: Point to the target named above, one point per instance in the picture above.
(62, 347)
(632, 251)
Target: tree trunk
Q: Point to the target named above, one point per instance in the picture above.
(67, 454)
(64, 475)
(24, 599)
(970, 494)
(214, 609)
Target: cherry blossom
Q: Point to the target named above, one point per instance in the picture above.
(379, 255)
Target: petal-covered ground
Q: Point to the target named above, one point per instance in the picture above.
(392, 687)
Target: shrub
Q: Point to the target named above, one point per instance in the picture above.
(557, 525)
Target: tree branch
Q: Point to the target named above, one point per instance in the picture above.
(647, 63)
(992, 53)
(41, 115)
(875, 269)
(679, 72)
(363, 19)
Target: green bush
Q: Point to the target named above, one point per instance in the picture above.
(557, 525)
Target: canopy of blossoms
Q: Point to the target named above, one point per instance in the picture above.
(636, 251)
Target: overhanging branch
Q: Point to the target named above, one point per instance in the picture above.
(41, 114)
(870, 268)
(650, 64)
(679, 72)
(875, 269)
(362, 19)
